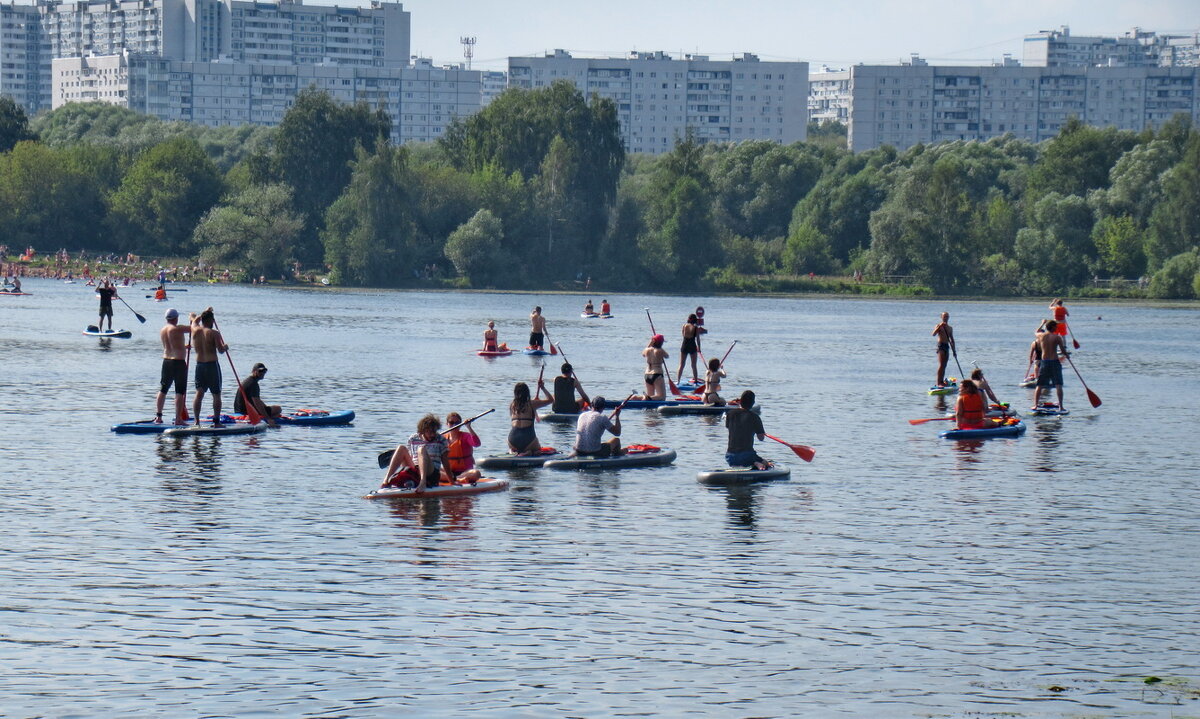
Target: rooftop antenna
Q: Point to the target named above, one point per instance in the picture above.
(468, 44)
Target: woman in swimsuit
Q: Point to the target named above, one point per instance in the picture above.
(690, 346)
(656, 369)
(522, 439)
(489, 337)
(712, 383)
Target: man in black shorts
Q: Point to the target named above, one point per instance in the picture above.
(174, 366)
(107, 292)
(249, 392)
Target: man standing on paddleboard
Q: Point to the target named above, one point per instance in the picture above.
(207, 342)
(537, 328)
(107, 292)
(174, 366)
(1050, 367)
(945, 345)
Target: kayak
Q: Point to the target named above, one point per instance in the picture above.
(653, 457)
(317, 417)
(493, 353)
(94, 331)
(208, 429)
(950, 388)
(442, 490)
(145, 426)
(535, 351)
(674, 410)
(511, 461)
(1049, 410)
(743, 475)
(1008, 430)
(561, 417)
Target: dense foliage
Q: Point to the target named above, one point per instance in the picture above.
(537, 190)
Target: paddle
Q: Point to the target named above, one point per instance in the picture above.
(931, 419)
(961, 376)
(573, 375)
(135, 312)
(622, 405)
(670, 382)
(1092, 396)
(702, 385)
(385, 458)
(553, 350)
(1073, 340)
(251, 411)
(802, 451)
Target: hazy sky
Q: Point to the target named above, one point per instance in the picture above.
(833, 32)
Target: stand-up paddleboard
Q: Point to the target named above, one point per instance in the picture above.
(204, 430)
(1049, 410)
(15, 294)
(654, 403)
(1006, 430)
(442, 490)
(535, 351)
(674, 410)
(94, 331)
(950, 388)
(503, 352)
(692, 385)
(512, 461)
(145, 426)
(590, 315)
(655, 457)
(560, 417)
(1028, 382)
(317, 417)
(743, 475)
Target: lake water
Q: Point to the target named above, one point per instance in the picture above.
(898, 575)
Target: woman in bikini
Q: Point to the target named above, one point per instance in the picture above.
(522, 439)
(656, 369)
(712, 383)
(690, 346)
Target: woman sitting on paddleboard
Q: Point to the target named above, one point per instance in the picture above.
(968, 408)
(460, 455)
(589, 308)
(712, 383)
(656, 369)
(522, 439)
(489, 339)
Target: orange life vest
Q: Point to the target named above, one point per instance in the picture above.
(972, 411)
(457, 453)
(1060, 313)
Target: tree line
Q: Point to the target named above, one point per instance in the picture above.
(536, 189)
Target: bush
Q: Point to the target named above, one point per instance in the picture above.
(1177, 278)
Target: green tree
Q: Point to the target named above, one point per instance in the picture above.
(807, 250)
(1177, 278)
(14, 124)
(312, 151)
(1175, 221)
(369, 232)
(757, 184)
(255, 229)
(1078, 159)
(679, 243)
(163, 197)
(1120, 242)
(476, 249)
(47, 201)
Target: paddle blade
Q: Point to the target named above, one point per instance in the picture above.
(1093, 398)
(139, 318)
(802, 451)
(553, 349)
(673, 387)
(385, 458)
(1075, 342)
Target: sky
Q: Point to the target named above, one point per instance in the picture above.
(832, 32)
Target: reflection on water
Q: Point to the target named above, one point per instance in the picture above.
(898, 574)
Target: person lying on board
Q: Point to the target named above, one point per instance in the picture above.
(417, 462)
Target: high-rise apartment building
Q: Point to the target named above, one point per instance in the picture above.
(283, 32)
(1136, 48)
(659, 98)
(903, 105)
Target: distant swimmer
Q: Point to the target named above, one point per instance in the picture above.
(945, 345)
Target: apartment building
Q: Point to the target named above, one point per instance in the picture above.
(1136, 48)
(912, 103)
(282, 32)
(659, 97)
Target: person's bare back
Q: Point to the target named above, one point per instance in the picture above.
(173, 342)
(207, 342)
(1050, 344)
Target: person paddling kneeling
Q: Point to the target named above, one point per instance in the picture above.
(743, 426)
(590, 427)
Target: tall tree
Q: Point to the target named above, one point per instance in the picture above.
(255, 229)
(369, 231)
(14, 124)
(1175, 221)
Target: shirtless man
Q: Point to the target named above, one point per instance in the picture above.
(107, 292)
(1050, 367)
(489, 338)
(537, 328)
(207, 341)
(945, 345)
(174, 366)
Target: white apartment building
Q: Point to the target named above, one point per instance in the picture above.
(659, 98)
(1136, 48)
(421, 99)
(279, 32)
(494, 82)
(914, 103)
(829, 96)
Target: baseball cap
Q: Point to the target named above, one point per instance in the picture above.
(171, 313)
(259, 366)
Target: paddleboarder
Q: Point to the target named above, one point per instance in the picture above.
(945, 345)
(605, 308)
(982, 385)
(1060, 316)
(522, 412)
(174, 366)
(1051, 344)
(565, 387)
(490, 335)
(969, 409)
(251, 391)
(107, 292)
(743, 426)
(417, 462)
(589, 309)
(690, 346)
(656, 369)
(712, 383)
(207, 342)
(460, 449)
(590, 428)
(537, 328)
